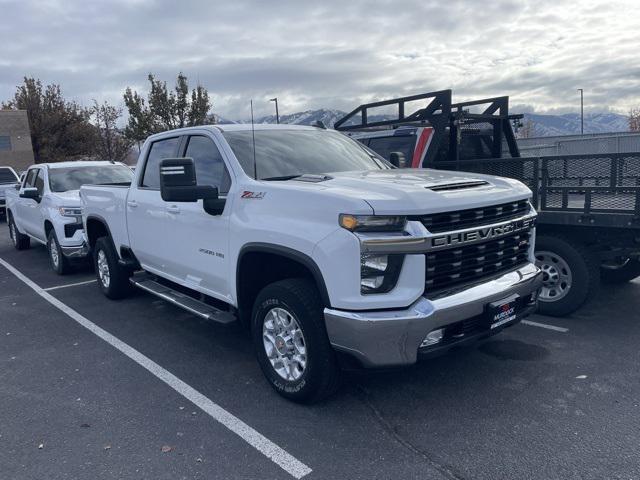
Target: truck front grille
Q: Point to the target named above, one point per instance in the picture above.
(474, 217)
(470, 263)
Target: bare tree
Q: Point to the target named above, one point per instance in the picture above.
(165, 109)
(634, 120)
(110, 143)
(528, 129)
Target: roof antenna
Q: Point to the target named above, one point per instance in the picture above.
(253, 136)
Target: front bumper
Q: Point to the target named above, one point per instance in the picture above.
(393, 337)
(79, 251)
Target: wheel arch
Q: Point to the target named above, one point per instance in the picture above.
(96, 227)
(253, 272)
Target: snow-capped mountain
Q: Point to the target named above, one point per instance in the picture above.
(543, 125)
(309, 117)
(569, 123)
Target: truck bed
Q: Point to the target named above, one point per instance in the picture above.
(595, 189)
(108, 203)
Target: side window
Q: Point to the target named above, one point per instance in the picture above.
(210, 168)
(167, 148)
(40, 182)
(30, 178)
(402, 143)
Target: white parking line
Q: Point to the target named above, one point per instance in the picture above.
(278, 455)
(545, 325)
(68, 285)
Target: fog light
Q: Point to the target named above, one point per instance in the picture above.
(433, 337)
(371, 283)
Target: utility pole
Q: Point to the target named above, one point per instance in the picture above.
(581, 111)
(277, 114)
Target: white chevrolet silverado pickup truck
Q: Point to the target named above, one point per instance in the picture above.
(45, 207)
(324, 250)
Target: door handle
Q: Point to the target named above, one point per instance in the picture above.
(173, 209)
(132, 203)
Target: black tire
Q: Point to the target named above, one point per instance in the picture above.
(59, 263)
(627, 271)
(583, 267)
(299, 298)
(20, 240)
(117, 284)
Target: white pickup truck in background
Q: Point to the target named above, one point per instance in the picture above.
(45, 207)
(321, 248)
(8, 180)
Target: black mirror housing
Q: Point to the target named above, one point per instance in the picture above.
(397, 159)
(30, 192)
(178, 182)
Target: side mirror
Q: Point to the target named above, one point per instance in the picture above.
(178, 183)
(30, 192)
(17, 186)
(397, 159)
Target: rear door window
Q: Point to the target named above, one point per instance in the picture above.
(167, 148)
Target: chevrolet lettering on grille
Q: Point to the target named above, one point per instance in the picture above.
(479, 234)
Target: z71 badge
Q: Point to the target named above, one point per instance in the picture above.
(253, 195)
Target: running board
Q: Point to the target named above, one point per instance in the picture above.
(181, 300)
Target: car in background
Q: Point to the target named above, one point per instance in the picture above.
(46, 206)
(8, 180)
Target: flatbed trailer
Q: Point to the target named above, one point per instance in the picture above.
(588, 205)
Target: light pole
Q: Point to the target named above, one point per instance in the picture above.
(581, 111)
(277, 114)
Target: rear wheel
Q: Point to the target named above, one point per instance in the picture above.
(570, 275)
(620, 271)
(113, 278)
(291, 341)
(59, 263)
(20, 241)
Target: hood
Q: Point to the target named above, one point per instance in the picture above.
(420, 191)
(70, 198)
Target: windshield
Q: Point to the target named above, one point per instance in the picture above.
(7, 176)
(289, 153)
(72, 178)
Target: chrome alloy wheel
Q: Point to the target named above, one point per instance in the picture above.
(284, 343)
(53, 251)
(556, 276)
(103, 269)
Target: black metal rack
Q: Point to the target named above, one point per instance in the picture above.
(453, 124)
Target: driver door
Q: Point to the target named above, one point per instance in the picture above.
(31, 219)
(202, 238)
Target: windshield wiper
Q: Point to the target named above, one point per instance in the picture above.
(284, 177)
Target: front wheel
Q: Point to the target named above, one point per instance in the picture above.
(291, 342)
(113, 278)
(59, 263)
(570, 275)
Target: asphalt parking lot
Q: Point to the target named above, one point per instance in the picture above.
(556, 399)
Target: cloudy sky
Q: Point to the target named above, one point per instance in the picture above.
(332, 54)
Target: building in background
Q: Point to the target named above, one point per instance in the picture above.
(15, 140)
(620, 142)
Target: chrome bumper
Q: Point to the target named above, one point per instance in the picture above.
(76, 252)
(393, 337)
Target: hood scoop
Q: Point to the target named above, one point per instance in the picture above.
(457, 186)
(313, 178)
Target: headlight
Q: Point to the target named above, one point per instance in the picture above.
(70, 211)
(373, 223)
(379, 273)
(73, 212)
